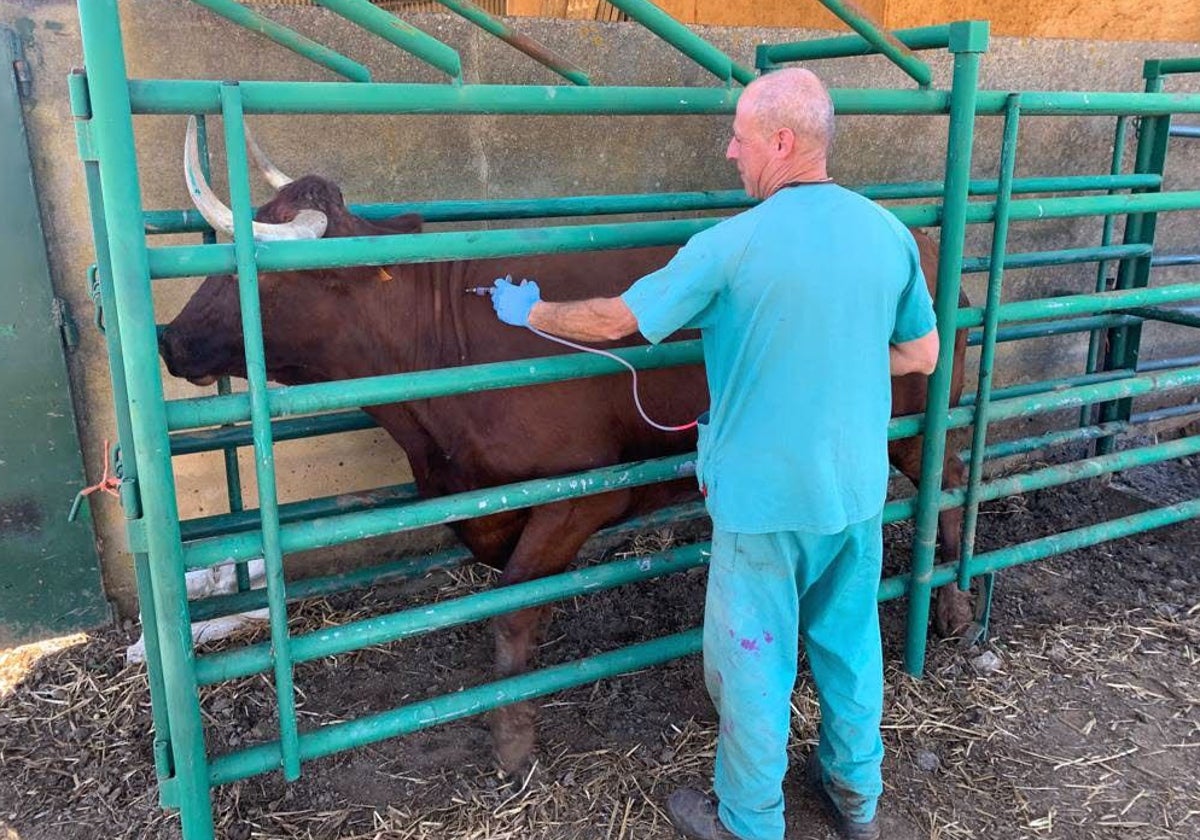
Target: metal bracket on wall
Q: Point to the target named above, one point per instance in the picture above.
(20, 66)
(60, 312)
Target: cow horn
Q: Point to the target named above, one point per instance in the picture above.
(274, 177)
(308, 224)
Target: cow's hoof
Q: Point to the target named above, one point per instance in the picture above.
(975, 634)
(514, 739)
(520, 777)
(953, 613)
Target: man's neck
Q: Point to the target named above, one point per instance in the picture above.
(809, 171)
(803, 182)
(798, 182)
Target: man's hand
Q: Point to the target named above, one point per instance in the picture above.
(512, 302)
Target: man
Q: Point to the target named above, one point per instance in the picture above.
(806, 303)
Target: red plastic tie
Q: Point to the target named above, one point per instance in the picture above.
(110, 484)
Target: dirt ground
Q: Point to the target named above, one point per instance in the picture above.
(1080, 717)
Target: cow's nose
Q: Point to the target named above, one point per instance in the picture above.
(166, 349)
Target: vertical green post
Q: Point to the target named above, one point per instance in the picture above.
(112, 129)
(1094, 339)
(260, 420)
(1153, 137)
(229, 454)
(82, 112)
(967, 41)
(987, 351)
(233, 481)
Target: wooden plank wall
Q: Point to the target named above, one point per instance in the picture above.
(1101, 20)
(1105, 20)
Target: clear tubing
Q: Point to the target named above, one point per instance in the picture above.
(636, 400)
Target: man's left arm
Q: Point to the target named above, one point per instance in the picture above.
(917, 356)
(914, 342)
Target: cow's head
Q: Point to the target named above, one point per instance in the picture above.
(205, 339)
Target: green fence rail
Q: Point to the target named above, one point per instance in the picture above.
(154, 430)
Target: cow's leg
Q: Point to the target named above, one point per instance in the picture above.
(551, 539)
(513, 730)
(952, 609)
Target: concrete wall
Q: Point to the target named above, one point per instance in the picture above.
(398, 158)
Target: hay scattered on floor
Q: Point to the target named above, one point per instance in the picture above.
(1085, 726)
(1080, 726)
(17, 662)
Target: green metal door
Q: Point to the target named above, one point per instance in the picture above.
(49, 571)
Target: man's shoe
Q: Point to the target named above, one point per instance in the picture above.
(694, 815)
(846, 828)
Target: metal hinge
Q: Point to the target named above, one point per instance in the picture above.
(20, 67)
(60, 311)
(131, 497)
(168, 793)
(23, 77)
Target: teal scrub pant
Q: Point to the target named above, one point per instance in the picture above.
(765, 593)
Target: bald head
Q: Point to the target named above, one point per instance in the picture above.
(782, 129)
(792, 98)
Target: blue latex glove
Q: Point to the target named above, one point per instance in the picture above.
(513, 302)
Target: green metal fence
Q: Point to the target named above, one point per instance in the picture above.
(152, 430)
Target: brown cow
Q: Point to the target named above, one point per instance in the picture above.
(331, 324)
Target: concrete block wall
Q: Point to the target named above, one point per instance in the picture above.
(396, 158)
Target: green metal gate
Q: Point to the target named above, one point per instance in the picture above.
(105, 101)
(49, 571)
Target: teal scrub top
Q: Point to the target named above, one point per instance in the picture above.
(796, 300)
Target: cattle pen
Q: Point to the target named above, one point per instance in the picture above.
(152, 429)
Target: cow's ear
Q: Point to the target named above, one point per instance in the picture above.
(404, 223)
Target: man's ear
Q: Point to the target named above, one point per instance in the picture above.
(785, 141)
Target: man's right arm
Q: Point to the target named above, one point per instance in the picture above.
(596, 319)
(917, 356)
